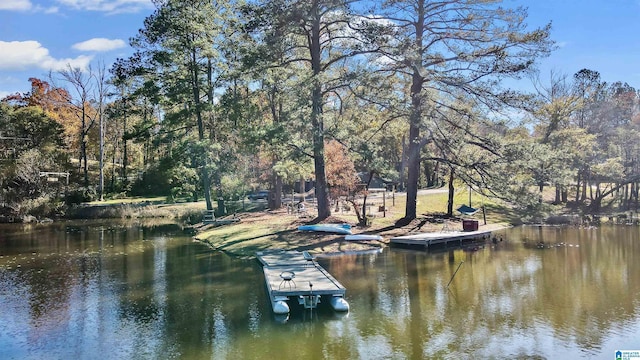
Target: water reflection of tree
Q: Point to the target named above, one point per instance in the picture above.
(581, 292)
(177, 298)
(505, 299)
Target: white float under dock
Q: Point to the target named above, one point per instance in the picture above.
(294, 275)
(434, 238)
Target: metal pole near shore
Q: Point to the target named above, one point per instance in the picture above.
(454, 274)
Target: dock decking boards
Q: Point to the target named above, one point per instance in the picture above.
(323, 282)
(282, 258)
(306, 271)
(433, 238)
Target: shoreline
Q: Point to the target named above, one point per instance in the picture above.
(259, 230)
(278, 230)
(264, 229)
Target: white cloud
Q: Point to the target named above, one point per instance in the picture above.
(4, 94)
(15, 5)
(50, 10)
(22, 55)
(100, 44)
(109, 6)
(25, 5)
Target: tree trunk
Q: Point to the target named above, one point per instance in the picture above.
(541, 190)
(413, 163)
(204, 173)
(637, 189)
(363, 219)
(317, 123)
(113, 166)
(403, 164)
(83, 146)
(628, 190)
(322, 187)
(578, 186)
(194, 192)
(413, 170)
(427, 173)
(275, 195)
(124, 146)
(278, 193)
(101, 180)
(451, 191)
(221, 207)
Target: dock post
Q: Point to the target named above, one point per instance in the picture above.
(311, 299)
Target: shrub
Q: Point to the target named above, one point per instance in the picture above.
(80, 195)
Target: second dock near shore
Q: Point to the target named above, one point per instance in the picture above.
(434, 238)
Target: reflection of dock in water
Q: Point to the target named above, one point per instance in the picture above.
(296, 275)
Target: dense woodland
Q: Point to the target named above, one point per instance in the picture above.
(221, 98)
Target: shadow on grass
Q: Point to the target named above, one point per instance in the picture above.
(321, 244)
(504, 213)
(401, 223)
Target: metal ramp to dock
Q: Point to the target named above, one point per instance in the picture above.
(296, 275)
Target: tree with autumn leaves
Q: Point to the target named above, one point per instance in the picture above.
(32, 143)
(54, 101)
(342, 177)
(59, 128)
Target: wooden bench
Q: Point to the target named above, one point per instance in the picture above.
(208, 217)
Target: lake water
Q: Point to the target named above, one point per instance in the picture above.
(117, 291)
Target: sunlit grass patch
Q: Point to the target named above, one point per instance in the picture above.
(131, 200)
(249, 235)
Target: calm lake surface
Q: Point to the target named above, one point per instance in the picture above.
(118, 291)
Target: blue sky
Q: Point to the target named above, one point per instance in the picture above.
(37, 36)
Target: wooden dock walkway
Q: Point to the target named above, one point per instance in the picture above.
(433, 238)
(296, 275)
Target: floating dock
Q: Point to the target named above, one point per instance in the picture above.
(433, 238)
(294, 275)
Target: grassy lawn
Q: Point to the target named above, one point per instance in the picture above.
(132, 200)
(260, 229)
(278, 230)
